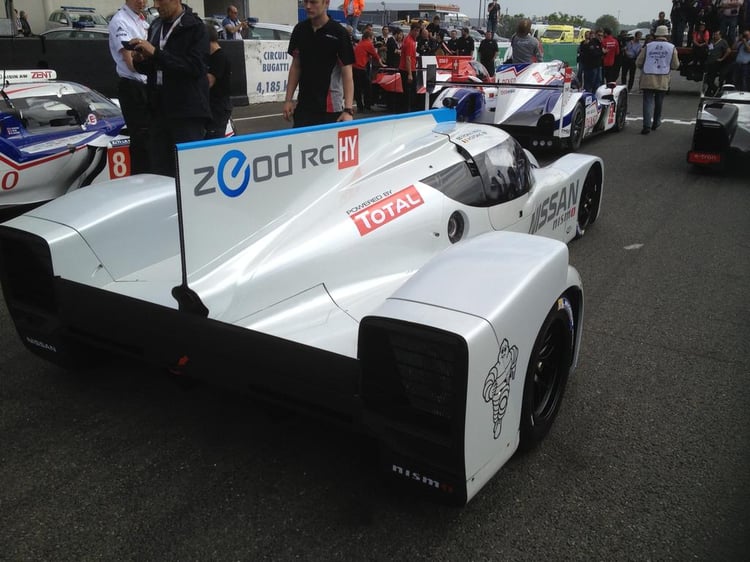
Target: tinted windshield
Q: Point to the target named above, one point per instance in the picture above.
(506, 170)
(495, 176)
(552, 34)
(74, 34)
(90, 19)
(71, 110)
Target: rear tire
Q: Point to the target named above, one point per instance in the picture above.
(547, 374)
(591, 197)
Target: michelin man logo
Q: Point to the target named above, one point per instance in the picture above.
(497, 384)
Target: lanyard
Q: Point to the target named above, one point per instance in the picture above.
(164, 38)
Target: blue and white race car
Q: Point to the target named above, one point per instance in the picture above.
(55, 136)
(406, 273)
(540, 104)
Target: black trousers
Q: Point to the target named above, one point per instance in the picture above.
(133, 97)
(305, 118)
(489, 64)
(217, 127)
(165, 134)
(409, 97)
(628, 73)
(362, 89)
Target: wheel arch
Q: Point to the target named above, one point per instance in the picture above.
(485, 299)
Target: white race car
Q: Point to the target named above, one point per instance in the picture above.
(55, 136)
(540, 104)
(383, 270)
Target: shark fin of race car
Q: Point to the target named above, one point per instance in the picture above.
(243, 188)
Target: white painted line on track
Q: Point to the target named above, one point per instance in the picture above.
(257, 117)
(675, 121)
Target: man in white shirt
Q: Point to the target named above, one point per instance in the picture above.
(129, 23)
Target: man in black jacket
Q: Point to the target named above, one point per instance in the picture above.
(174, 59)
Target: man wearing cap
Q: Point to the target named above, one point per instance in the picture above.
(656, 60)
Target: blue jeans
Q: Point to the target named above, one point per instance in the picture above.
(652, 102)
(592, 78)
(742, 76)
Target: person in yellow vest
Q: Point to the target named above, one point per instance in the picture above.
(656, 60)
(352, 11)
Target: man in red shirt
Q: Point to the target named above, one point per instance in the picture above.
(408, 67)
(364, 52)
(611, 50)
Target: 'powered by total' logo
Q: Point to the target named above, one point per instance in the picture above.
(236, 170)
(383, 211)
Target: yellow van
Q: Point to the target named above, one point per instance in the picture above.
(558, 34)
(580, 33)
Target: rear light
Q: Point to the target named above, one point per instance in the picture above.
(703, 157)
(414, 376)
(414, 402)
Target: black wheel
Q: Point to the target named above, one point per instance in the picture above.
(591, 197)
(549, 367)
(621, 111)
(576, 129)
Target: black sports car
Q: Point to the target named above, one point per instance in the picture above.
(722, 129)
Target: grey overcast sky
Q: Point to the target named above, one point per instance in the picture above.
(630, 12)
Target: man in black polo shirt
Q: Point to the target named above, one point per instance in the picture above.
(465, 44)
(323, 55)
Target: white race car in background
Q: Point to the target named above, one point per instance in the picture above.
(383, 270)
(540, 104)
(55, 136)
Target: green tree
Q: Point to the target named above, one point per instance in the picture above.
(608, 21)
(508, 25)
(565, 19)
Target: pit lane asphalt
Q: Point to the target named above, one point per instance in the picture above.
(647, 459)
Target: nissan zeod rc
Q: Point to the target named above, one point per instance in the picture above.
(383, 270)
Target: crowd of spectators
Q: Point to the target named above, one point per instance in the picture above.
(730, 17)
(716, 31)
(392, 49)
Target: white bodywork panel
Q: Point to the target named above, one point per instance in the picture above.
(318, 244)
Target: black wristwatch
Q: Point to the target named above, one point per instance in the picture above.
(349, 110)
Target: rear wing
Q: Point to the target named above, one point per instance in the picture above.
(505, 84)
(233, 191)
